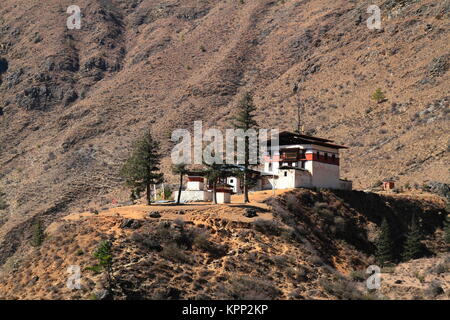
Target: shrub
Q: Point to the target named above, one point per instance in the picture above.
(320, 205)
(325, 211)
(419, 277)
(358, 275)
(185, 237)
(3, 203)
(388, 268)
(216, 251)
(279, 261)
(174, 253)
(378, 96)
(377, 184)
(290, 233)
(340, 226)
(343, 289)
(434, 289)
(296, 294)
(249, 288)
(149, 241)
(268, 227)
(307, 199)
(447, 230)
(163, 232)
(297, 273)
(166, 294)
(446, 258)
(440, 268)
(315, 260)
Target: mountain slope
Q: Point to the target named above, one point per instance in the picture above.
(305, 245)
(72, 101)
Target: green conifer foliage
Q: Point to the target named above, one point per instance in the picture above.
(141, 169)
(245, 120)
(385, 244)
(413, 247)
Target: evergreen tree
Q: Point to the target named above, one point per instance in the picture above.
(38, 234)
(413, 247)
(104, 257)
(141, 169)
(447, 230)
(3, 67)
(181, 170)
(378, 96)
(244, 120)
(385, 244)
(3, 203)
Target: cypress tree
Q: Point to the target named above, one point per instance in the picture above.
(413, 247)
(385, 244)
(141, 169)
(244, 120)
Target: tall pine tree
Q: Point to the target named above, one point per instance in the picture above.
(244, 120)
(141, 169)
(413, 247)
(385, 244)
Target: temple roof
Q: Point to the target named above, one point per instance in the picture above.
(290, 138)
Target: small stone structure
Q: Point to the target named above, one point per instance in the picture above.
(388, 185)
(194, 190)
(223, 194)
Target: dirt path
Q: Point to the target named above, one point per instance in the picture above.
(233, 211)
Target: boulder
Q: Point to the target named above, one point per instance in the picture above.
(130, 224)
(250, 213)
(103, 295)
(154, 214)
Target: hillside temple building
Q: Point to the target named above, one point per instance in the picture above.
(300, 161)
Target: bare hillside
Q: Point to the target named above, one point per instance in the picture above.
(72, 101)
(302, 245)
